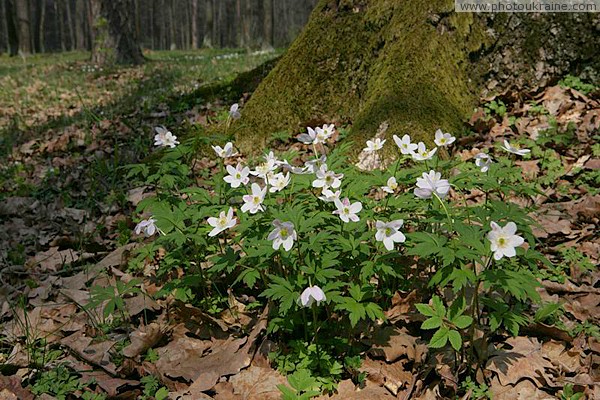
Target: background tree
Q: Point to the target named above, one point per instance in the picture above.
(61, 25)
(116, 39)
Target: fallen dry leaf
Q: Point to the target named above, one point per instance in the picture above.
(144, 338)
(524, 361)
(11, 389)
(256, 383)
(392, 343)
(393, 377)
(524, 390)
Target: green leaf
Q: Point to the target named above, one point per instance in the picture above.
(287, 392)
(462, 321)
(426, 310)
(161, 394)
(439, 338)
(302, 380)
(455, 340)
(438, 306)
(432, 323)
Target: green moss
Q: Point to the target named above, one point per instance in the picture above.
(363, 65)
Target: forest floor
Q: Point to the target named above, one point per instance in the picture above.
(68, 129)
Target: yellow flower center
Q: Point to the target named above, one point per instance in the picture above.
(256, 200)
(388, 231)
(284, 233)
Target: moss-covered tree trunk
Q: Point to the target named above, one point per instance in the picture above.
(416, 64)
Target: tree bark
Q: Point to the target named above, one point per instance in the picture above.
(116, 40)
(194, 24)
(70, 25)
(416, 65)
(80, 24)
(23, 26)
(268, 24)
(41, 28)
(11, 29)
(60, 24)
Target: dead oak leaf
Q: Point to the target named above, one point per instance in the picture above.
(10, 388)
(391, 376)
(256, 383)
(523, 361)
(392, 343)
(229, 359)
(524, 390)
(144, 338)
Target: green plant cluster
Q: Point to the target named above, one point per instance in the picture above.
(447, 253)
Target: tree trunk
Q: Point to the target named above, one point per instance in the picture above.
(60, 24)
(268, 24)
(417, 65)
(11, 29)
(208, 23)
(23, 26)
(80, 24)
(41, 28)
(194, 24)
(115, 38)
(70, 25)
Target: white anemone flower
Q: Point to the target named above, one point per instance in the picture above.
(443, 139)
(311, 295)
(147, 226)
(224, 221)
(234, 111)
(391, 185)
(226, 151)
(271, 157)
(389, 233)
(310, 137)
(278, 182)
(347, 211)
(422, 154)
(431, 183)
(374, 145)
(283, 234)
(326, 179)
(265, 170)
(328, 130)
(253, 202)
(483, 161)
(287, 167)
(406, 147)
(237, 176)
(313, 166)
(514, 149)
(503, 240)
(329, 197)
(323, 134)
(164, 137)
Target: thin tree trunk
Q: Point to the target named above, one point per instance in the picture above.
(23, 26)
(209, 22)
(79, 24)
(268, 24)
(3, 28)
(59, 24)
(70, 25)
(194, 24)
(42, 30)
(171, 23)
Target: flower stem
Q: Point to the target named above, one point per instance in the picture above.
(444, 207)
